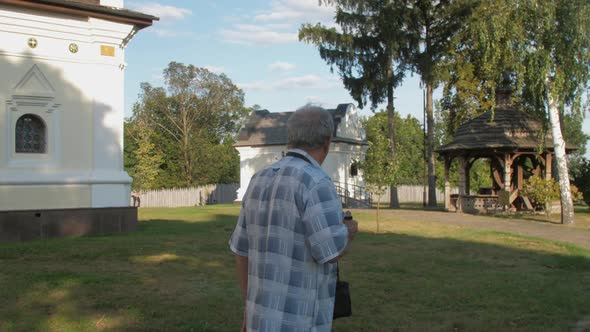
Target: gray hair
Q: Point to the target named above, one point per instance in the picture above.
(309, 127)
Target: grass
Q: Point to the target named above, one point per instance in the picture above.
(177, 274)
(581, 213)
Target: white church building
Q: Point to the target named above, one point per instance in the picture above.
(62, 64)
(263, 140)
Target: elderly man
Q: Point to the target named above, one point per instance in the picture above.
(291, 232)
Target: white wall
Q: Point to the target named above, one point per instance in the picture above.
(336, 165)
(79, 96)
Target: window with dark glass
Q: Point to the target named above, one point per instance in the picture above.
(354, 171)
(30, 134)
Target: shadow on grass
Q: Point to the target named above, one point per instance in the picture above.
(175, 275)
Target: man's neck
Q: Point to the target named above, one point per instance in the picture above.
(317, 154)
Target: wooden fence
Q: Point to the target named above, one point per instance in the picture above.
(179, 197)
(409, 194)
(226, 194)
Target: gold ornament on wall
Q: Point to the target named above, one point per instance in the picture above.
(73, 48)
(32, 42)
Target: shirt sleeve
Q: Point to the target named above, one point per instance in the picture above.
(325, 231)
(238, 242)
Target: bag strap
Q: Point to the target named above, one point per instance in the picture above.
(298, 155)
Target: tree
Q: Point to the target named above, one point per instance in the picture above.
(435, 23)
(378, 167)
(582, 179)
(544, 44)
(196, 110)
(371, 52)
(149, 159)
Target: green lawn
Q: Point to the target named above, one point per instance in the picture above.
(177, 274)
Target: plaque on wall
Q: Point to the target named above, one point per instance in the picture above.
(107, 50)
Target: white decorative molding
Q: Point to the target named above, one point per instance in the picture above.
(34, 84)
(65, 177)
(33, 94)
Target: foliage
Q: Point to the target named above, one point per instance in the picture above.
(370, 43)
(582, 179)
(408, 167)
(541, 191)
(574, 135)
(149, 159)
(193, 121)
(379, 169)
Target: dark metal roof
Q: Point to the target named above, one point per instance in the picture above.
(503, 129)
(266, 128)
(91, 8)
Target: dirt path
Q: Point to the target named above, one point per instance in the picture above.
(579, 237)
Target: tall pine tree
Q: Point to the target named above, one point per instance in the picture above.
(371, 52)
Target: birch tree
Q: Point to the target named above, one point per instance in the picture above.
(545, 45)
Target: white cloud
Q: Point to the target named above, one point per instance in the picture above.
(290, 83)
(216, 69)
(300, 11)
(281, 66)
(306, 81)
(164, 12)
(249, 34)
(278, 23)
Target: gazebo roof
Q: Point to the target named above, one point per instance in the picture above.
(502, 129)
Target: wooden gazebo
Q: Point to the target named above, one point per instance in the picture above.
(517, 147)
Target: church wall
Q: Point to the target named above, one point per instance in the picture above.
(337, 163)
(78, 95)
(44, 196)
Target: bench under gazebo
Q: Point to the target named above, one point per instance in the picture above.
(517, 146)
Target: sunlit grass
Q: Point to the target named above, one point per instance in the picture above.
(176, 273)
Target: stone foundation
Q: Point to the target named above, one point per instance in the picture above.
(42, 224)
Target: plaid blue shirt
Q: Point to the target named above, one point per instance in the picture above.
(290, 226)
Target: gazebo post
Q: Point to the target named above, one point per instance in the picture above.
(468, 176)
(508, 176)
(462, 182)
(548, 162)
(447, 184)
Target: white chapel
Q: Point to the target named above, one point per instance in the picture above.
(263, 140)
(62, 64)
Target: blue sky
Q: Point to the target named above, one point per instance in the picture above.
(254, 43)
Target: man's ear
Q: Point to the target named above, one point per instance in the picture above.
(327, 144)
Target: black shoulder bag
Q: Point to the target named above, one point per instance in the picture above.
(342, 303)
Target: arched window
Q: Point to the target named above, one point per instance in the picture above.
(30, 134)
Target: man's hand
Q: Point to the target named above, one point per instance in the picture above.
(352, 226)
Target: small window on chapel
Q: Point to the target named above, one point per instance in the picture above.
(354, 171)
(30, 134)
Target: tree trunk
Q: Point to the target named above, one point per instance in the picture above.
(430, 142)
(393, 198)
(188, 170)
(567, 205)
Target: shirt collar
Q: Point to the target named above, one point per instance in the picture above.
(313, 161)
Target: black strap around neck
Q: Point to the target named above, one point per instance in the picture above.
(298, 155)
